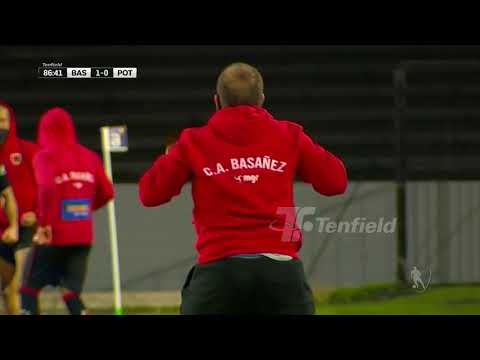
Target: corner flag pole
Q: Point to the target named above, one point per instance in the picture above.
(112, 225)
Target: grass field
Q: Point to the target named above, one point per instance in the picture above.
(374, 300)
(440, 300)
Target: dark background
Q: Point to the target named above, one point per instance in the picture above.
(342, 95)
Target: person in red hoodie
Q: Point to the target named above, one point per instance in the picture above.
(16, 156)
(71, 184)
(242, 165)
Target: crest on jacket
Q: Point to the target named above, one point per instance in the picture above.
(16, 158)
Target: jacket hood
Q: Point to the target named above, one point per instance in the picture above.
(56, 128)
(242, 124)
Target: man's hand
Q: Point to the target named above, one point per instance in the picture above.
(43, 236)
(171, 139)
(10, 235)
(28, 219)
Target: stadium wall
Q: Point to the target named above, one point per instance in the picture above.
(156, 245)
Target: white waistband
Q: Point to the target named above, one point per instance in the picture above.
(278, 257)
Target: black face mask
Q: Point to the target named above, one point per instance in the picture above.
(3, 135)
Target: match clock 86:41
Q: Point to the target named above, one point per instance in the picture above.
(52, 72)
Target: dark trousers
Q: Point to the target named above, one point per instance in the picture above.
(64, 266)
(235, 286)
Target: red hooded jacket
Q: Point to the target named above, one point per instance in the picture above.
(17, 154)
(71, 181)
(242, 165)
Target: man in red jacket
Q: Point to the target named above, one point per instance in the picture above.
(242, 166)
(16, 156)
(71, 184)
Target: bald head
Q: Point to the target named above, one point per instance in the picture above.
(240, 84)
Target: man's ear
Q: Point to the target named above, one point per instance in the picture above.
(262, 99)
(216, 100)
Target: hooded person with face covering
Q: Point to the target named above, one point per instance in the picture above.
(71, 185)
(16, 159)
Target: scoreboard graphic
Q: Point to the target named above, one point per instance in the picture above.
(54, 72)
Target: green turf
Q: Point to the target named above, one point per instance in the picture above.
(387, 299)
(140, 310)
(437, 300)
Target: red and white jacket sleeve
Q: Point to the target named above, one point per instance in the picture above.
(166, 177)
(320, 168)
(45, 178)
(103, 186)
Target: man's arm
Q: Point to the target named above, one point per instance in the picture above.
(10, 235)
(29, 150)
(166, 176)
(320, 168)
(103, 187)
(46, 196)
(46, 190)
